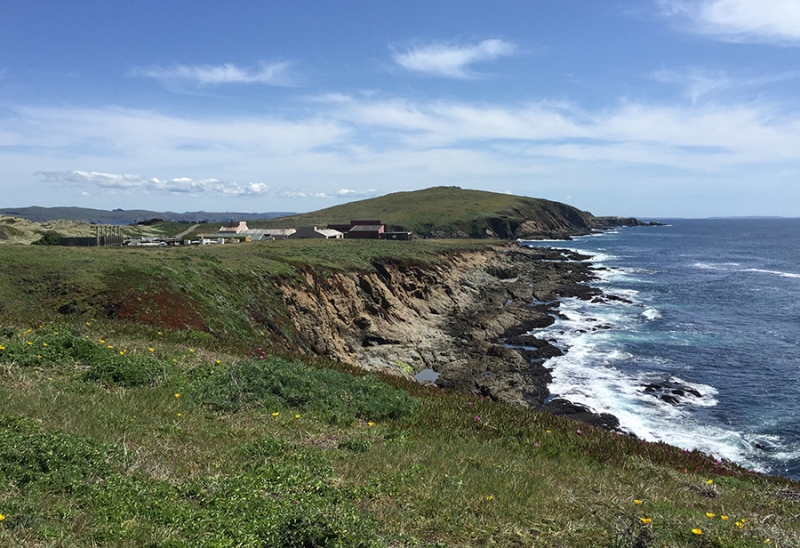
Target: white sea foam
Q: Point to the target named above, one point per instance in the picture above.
(736, 267)
(774, 272)
(591, 373)
(651, 314)
(716, 266)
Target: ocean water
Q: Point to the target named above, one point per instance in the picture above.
(711, 320)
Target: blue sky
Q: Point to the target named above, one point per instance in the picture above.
(683, 108)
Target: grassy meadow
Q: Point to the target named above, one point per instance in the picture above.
(181, 422)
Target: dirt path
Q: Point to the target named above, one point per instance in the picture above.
(187, 231)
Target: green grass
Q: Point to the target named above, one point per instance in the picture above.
(234, 450)
(121, 431)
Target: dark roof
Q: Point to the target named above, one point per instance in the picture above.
(370, 222)
(366, 228)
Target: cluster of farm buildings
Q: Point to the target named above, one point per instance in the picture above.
(237, 231)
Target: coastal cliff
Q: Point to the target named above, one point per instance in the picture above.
(465, 319)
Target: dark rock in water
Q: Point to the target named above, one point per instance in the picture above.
(618, 299)
(670, 391)
(539, 321)
(543, 349)
(578, 412)
(582, 292)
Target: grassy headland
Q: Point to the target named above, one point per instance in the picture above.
(147, 399)
(454, 212)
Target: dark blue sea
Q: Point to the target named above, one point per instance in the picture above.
(713, 314)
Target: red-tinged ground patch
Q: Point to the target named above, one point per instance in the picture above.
(161, 306)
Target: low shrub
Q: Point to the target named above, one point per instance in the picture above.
(44, 347)
(48, 347)
(285, 500)
(57, 462)
(127, 371)
(274, 382)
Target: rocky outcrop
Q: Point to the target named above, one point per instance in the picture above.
(465, 318)
(604, 223)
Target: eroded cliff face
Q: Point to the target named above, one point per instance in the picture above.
(455, 318)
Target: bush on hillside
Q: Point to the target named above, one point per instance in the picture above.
(48, 238)
(275, 382)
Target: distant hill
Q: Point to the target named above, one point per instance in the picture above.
(126, 217)
(453, 212)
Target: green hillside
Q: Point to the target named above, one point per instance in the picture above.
(453, 212)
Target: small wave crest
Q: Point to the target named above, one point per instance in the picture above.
(736, 267)
(651, 314)
(773, 272)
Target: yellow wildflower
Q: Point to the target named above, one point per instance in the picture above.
(490, 497)
(739, 524)
(191, 350)
(159, 332)
(645, 521)
(2, 517)
(177, 395)
(723, 517)
(547, 431)
(30, 343)
(151, 350)
(2, 347)
(767, 541)
(297, 416)
(709, 482)
(39, 356)
(121, 352)
(710, 515)
(275, 414)
(44, 344)
(697, 531)
(180, 415)
(637, 502)
(218, 362)
(370, 424)
(102, 341)
(110, 346)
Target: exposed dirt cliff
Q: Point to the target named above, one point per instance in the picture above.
(463, 318)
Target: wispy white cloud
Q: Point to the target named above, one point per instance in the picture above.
(705, 137)
(739, 20)
(348, 193)
(345, 148)
(451, 60)
(137, 183)
(275, 74)
(131, 184)
(698, 82)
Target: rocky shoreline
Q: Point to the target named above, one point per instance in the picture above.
(466, 320)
